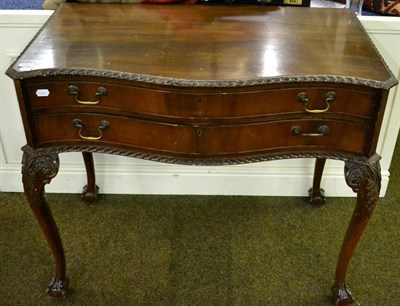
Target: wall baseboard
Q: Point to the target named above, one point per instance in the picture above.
(169, 179)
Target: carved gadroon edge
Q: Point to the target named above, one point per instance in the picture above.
(200, 161)
(39, 167)
(365, 180)
(175, 82)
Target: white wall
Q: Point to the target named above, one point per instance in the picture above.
(128, 175)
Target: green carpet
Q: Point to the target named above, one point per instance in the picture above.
(202, 250)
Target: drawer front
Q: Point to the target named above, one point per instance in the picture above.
(214, 140)
(113, 98)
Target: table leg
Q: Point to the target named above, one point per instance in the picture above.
(316, 193)
(365, 180)
(90, 191)
(38, 169)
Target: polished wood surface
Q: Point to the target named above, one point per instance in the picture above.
(202, 86)
(204, 42)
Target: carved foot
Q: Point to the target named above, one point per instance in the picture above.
(91, 190)
(317, 197)
(89, 195)
(316, 193)
(341, 295)
(57, 288)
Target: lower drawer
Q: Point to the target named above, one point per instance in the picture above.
(209, 140)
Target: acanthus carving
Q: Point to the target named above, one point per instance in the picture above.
(39, 168)
(365, 180)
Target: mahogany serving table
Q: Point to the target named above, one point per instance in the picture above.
(202, 85)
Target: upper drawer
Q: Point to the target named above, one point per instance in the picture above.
(106, 98)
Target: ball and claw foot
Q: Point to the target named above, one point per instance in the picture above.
(317, 198)
(89, 196)
(341, 295)
(57, 288)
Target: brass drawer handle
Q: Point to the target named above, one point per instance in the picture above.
(78, 123)
(322, 130)
(74, 91)
(329, 98)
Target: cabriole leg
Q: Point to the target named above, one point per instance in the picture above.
(38, 169)
(316, 193)
(90, 191)
(365, 180)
